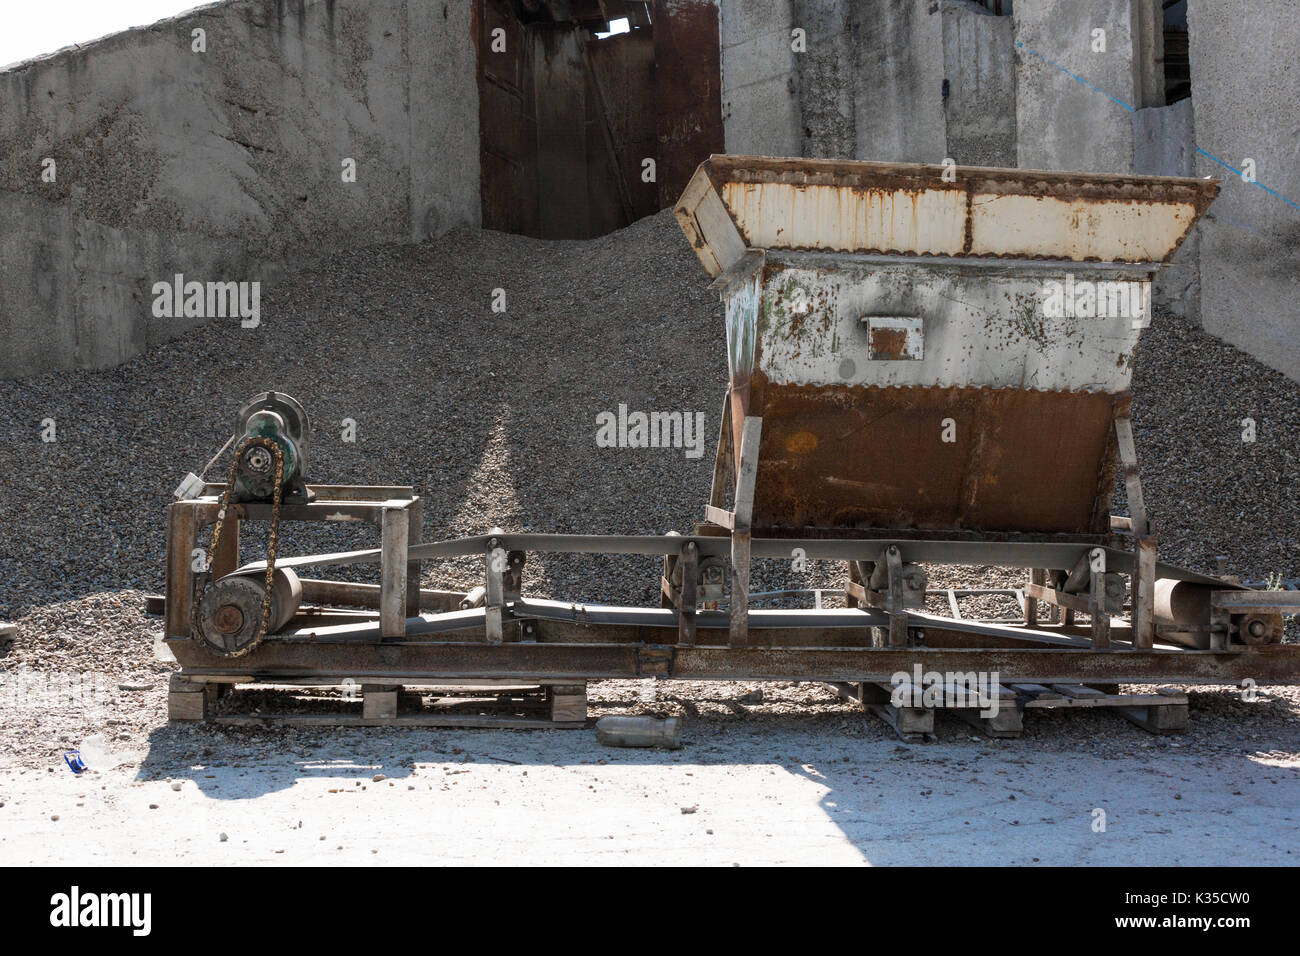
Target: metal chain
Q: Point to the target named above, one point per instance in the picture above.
(276, 500)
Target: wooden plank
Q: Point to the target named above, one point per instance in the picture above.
(484, 721)
(1097, 608)
(1167, 719)
(1008, 722)
(187, 700)
(1037, 691)
(568, 703)
(1077, 690)
(379, 701)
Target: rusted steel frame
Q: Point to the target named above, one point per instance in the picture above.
(1257, 602)
(373, 493)
(1009, 554)
(1132, 477)
(723, 467)
(367, 595)
(688, 600)
(894, 606)
(1097, 605)
(1075, 602)
(740, 541)
(1037, 578)
(1003, 265)
(226, 557)
(183, 524)
(414, 535)
(395, 524)
(542, 661)
(1143, 598)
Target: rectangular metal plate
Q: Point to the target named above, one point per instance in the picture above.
(894, 338)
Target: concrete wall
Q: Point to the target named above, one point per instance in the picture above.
(761, 113)
(221, 163)
(1246, 87)
(1061, 123)
(868, 86)
(1164, 144)
(979, 65)
(898, 83)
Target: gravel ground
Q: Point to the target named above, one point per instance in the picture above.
(492, 418)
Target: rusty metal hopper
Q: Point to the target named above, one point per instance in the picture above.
(919, 346)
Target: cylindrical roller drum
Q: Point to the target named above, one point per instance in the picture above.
(230, 612)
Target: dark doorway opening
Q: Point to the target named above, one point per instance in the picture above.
(592, 113)
(1178, 65)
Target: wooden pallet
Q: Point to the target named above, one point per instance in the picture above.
(1162, 712)
(500, 704)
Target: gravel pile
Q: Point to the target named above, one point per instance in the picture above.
(492, 417)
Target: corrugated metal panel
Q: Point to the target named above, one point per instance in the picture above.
(833, 205)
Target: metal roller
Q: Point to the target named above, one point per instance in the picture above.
(230, 611)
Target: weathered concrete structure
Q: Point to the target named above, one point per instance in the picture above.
(224, 163)
(218, 154)
(1040, 87)
(1245, 91)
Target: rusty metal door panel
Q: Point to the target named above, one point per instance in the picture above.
(853, 456)
(560, 84)
(507, 131)
(621, 129)
(688, 91)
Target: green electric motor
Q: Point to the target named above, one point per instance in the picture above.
(283, 420)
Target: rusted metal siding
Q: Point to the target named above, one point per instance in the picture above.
(857, 456)
(567, 121)
(688, 91)
(620, 129)
(507, 124)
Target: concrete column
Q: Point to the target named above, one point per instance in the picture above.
(1062, 122)
(1245, 106)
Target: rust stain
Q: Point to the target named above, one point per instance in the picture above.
(879, 459)
(889, 344)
